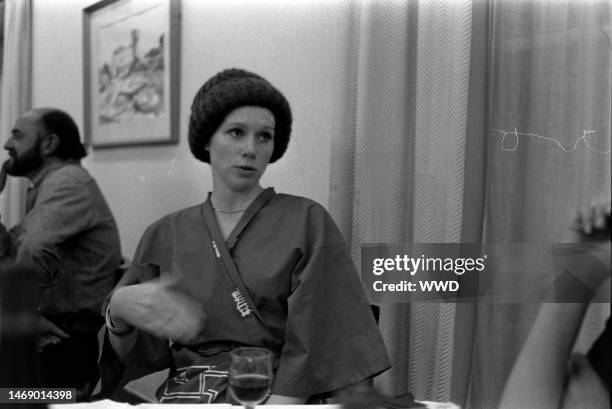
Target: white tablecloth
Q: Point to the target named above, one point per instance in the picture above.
(109, 404)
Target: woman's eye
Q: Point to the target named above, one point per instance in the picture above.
(265, 137)
(235, 132)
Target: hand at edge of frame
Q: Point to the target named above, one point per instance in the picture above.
(592, 223)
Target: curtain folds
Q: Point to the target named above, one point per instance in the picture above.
(442, 85)
(398, 160)
(548, 153)
(441, 104)
(15, 94)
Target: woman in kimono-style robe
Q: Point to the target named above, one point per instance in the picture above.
(302, 296)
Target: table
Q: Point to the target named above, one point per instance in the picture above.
(108, 404)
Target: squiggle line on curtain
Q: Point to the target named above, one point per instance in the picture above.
(555, 141)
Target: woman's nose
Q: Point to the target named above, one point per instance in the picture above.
(249, 146)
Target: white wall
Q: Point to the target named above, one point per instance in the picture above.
(294, 44)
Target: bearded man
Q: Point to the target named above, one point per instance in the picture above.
(68, 239)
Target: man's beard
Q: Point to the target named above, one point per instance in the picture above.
(27, 162)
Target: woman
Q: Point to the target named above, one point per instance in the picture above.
(247, 267)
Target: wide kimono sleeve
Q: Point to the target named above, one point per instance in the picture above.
(331, 338)
(150, 354)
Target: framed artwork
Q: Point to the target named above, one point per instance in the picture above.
(131, 68)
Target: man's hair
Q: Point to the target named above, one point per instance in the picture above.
(60, 123)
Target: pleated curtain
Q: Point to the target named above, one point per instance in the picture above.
(548, 154)
(15, 94)
(397, 167)
(469, 121)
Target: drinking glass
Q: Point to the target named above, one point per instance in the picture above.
(250, 375)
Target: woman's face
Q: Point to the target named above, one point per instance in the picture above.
(241, 148)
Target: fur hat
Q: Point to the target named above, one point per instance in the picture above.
(230, 89)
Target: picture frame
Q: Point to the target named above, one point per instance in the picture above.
(131, 72)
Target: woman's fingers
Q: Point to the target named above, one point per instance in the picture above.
(46, 327)
(45, 340)
(159, 310)
(593, 220)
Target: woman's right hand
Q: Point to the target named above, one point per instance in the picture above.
(158, 309)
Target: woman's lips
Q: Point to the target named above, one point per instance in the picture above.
(246, 170)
